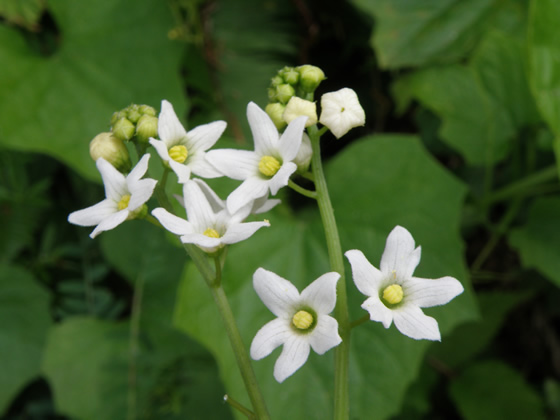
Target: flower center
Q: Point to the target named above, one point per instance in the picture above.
(269, 165)
(178, 153)
(393, 294)
(211, 233)
(123, 204)
(302, 320)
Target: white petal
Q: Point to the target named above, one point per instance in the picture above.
(263, 204)
(366, 277)
(170, 129)
(241, 231)
(281, 178)
(214, 200)
(140, 192)
(412, 322)
(139, 170)
(341, 111)
(294, 355)
(378, 311)
(248, 191)
(399, 254)
(199, 211)
(113, 180)
(110, 222)
(265, 134)
(325, 335)
(290, 142)
(201, 167)
(171, 222)
(206, 242)
(427, 292)
(235, 164)
(277, 293)
(93, 215)
(182, 171)
(321, 294)
(161, 149)
(271, 335)
(204, 136)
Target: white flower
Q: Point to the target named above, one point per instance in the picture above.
(209, 226)
(341, 111)
(185, 152)
(394, 294)
(269, 167)
(302, 322)
(298, 107)
(125, 197)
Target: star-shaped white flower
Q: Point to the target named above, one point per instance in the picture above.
(186, 152)
(341, 111)
(125, 197)
(303, 321)
(394, 294)
(269, 167)
(209, 226)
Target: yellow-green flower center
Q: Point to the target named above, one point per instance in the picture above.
(269, 165)
(302, 320)
(393, 294)
(178, 153)
(123, 204)
(211, 233)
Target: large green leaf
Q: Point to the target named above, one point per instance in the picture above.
(412, 33)
(108, 54)
(544, 59)
(492, 390)
(538, 241)
(375, 184)
(482, 105)
(24, 324)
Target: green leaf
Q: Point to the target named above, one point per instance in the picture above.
(493, 390)
(538, 241)
(108, 54)
(398, 184)
(24, 324)
(544, 59)
(412, 33)
(482, 105)
(22, 12)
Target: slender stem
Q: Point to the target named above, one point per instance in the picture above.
(133, 346)
(342, 352)
(360, 321)
(160, 193)
(301, 190)
(239, 407)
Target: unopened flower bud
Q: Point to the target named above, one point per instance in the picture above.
(117, 116)
(272, 95)
(298, 107)
(276, 81)
(275, 111)
(310, 77)
(123, 129)
(284, 93)
(146, 127)
(303, 157)
(147, 110)
(112, 149)
(133, 113)
(291, 76)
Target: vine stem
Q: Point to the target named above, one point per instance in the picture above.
(342, 351)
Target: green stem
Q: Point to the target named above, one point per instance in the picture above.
(360, 321)
(342, 352)
(214, 281)
(239, 407)
(160, 193)
(301, 190)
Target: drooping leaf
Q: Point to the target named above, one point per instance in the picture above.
(107, 55)
(24, 324)
(389, 172)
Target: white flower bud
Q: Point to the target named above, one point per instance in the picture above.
(298, 107)
(112, 149)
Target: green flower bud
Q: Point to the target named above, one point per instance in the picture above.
(310, 77)
(117, 116)
(112, 149)
(147, 110)
(272, 95)
(284, 93)
(123, 129)
(147, 127)
(276, 81)
(133, 113)
(291, 76)
(275, 111)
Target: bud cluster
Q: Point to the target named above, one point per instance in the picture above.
(138, 121)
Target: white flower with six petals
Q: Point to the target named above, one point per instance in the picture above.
(341, 111)
(125, 197)
(269, 167)
(209, 226)
(303, 321)
(394, 294)
(186, 152)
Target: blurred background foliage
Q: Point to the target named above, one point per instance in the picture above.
(460, 147)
